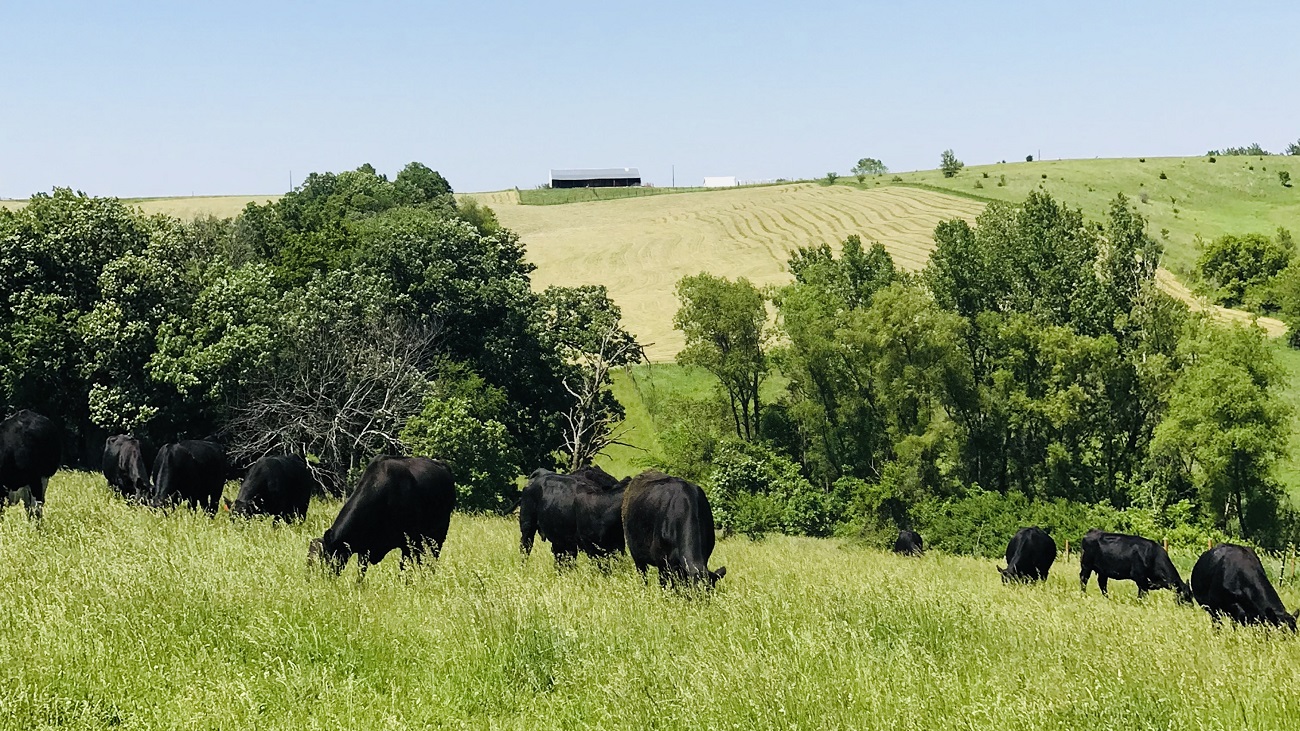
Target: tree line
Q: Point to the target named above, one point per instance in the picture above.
(354, 316)
(1033, 371)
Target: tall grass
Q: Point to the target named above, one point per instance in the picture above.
(116, 616)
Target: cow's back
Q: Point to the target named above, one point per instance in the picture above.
(398, 500)
(30, 449)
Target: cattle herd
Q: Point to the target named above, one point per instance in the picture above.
(405, 504)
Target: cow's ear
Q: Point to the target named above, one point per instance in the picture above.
(225, 501)
(721, 572)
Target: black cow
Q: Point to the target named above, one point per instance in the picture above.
(125, 468)
(598, 518)
(1030, 554)
(668, 524)
(401, 503)
(577, 512)
(909, 543)
(1132, 558)
(276, 485)
(191, 471)
(1229, 579)
(30, 452)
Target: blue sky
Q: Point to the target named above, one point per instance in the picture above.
(139, 99)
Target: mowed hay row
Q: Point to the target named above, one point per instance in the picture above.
(120, 616)
(640, 247)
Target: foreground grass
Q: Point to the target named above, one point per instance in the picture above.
(123, 617)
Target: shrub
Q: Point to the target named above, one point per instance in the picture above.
(1142, 159)
(1002, 181)
(1143, 196)
(1044, 176)
(1164, 233)
(832, 177)
(754, 489)
(1029, 158)
(985, 174)
(480, 452)
(895, 179)
(978, 184)
(1212, 158)
(1163, 176)
(1285, 178)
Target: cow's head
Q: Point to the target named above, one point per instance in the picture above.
(1006, 574)
(716, 576)
(321, 554)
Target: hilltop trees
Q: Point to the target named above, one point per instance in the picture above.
(1240, 269)
(868, 166)
(949, 164)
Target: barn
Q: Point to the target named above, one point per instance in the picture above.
(596, 178)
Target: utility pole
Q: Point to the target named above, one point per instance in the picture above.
(674, 175)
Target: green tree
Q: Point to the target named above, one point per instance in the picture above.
(725, 324)
(1226, 428)
(1239, 269)
(52, 253)
(479, 450)
(832, 177)
(949, 164)
(1293, 148)
(868, 166)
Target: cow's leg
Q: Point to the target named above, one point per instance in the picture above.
(565, 555)
(1085, 573)
(641, 569)
(1143, 587)
(1216, 617)
(1102, 583)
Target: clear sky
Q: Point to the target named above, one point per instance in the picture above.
(138, 99)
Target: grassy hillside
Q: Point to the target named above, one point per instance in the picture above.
(122, 617)
(640, 247)
(1197, 196)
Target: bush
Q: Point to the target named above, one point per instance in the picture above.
(1029, 158)
(754, 489)
(985, 174)
(895, 179)
(1212, 158)
(1044, 176)
(1285, 178)
(832, 177)
(1002, 181)
(978, 184)
(481, 454)
(1143, 196)
(1142, 159)
(1163, 176)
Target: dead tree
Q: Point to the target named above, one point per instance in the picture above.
(594, 420)
(338, 398)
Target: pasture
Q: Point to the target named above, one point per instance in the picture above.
(119, 616)
(640, 247)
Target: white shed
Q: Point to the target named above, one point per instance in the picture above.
(720, 181)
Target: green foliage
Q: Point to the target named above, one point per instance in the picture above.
(479, 450)
(52, 252)
(1240, 269)
(949, 164)
(1293, 148)
(725, 324)
(755, 490)
(1284, 177)
(1225, 429)
(831, 178)
(1253, 149)
(869, 166)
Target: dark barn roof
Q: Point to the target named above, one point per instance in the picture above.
(596, 174)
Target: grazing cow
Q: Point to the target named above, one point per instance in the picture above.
(279, 486)
(1229, 579)
(668, 524)
(30, 452)
(1131, 558)
(401, 503)
(191, 471)
(598, 518)
(1029, 556)
(909, 543)
(577, 512)
(124, 467)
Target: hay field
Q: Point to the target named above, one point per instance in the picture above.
(221, 206)
(640, 247)
(121, 617)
